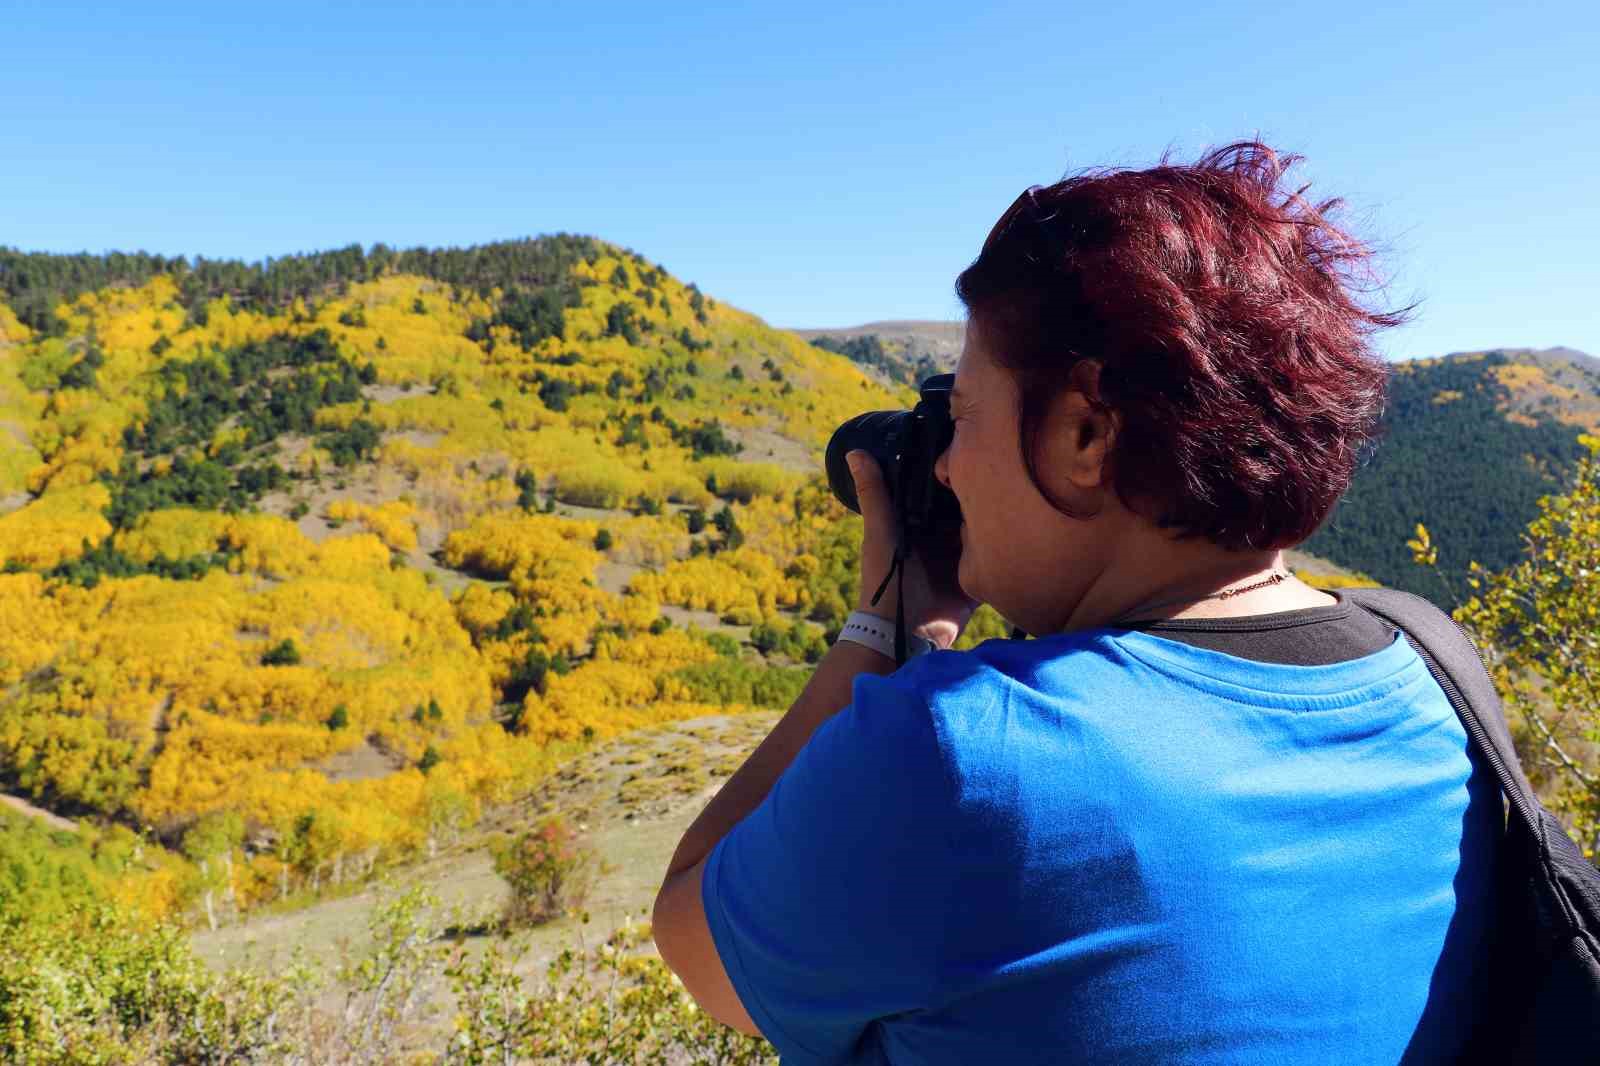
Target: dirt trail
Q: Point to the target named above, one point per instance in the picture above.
(22, 806)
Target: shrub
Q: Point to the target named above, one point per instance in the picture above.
(603, 540)
(732, 681)
(549, 868)
(1535, 625)
(723, 644)
(284, 653)
(799, 641)
(601, 487)
(103, 986)
(744, 481)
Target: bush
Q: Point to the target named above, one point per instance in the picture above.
(605, 488)
(549, 868)
(284, 653)
(1535, 626)
(106, 989)
(742, 481)
(102, 986)
(723, 645)
(603, 540)
(799, 641)
(732, 681)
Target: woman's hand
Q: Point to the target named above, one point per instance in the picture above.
(936, 607)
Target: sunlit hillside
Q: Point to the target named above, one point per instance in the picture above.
(307, 563)
(1470, 442)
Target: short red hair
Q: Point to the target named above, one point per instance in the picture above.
(1224, 313)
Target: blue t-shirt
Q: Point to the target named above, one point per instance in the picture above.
(1109, 847)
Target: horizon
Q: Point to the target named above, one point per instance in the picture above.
(818, 169)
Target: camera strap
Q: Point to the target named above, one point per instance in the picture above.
(897, 565)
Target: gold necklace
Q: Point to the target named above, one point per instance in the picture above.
(1276, 577)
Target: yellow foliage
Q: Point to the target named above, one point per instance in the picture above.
(158, 685)
(52, 528)
(1519, 375)
(632, 612)
(11, 329)
(203, 759)
(520, 547)
(741, 578)
(393, 522)
(176, 533)
(274, 547)
(31, 626)
(480, 607)
(744, 481)
(1338, 581)
(649, 540)
(1423, 551)
(668, 650)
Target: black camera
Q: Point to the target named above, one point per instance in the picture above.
(906, 444)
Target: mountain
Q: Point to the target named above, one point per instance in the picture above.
(309, 562)
(1470, 442)
(901, 352)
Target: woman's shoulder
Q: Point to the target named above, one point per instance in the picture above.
(1087, 657)
(987, 695)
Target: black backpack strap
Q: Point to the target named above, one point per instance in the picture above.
(1454, 660)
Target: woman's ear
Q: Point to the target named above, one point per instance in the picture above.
(1079, 433)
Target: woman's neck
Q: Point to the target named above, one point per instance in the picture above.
(1189, 585)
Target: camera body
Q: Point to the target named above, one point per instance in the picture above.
(906, 444)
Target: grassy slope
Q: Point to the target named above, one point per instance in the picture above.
(634, 797)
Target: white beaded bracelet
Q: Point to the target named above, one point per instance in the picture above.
(868, 630)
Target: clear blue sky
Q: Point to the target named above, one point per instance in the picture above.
(818, 164)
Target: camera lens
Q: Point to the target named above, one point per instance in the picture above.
(880, 433)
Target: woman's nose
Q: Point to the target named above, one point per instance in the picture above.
(941, 468)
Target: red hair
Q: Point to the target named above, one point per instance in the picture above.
(1223, 311)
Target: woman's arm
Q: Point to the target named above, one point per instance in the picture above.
(679, 920)
(826, 694)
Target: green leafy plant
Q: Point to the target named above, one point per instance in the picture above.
(550, 869)
(283, 653)
(1537, 624)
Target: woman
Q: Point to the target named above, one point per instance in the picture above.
(1208, 814)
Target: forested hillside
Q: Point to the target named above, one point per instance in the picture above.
(897, 352)
(307, 561)
(1470, 442)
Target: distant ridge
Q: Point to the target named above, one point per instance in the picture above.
(1560, 352)
(896, 352)
(932, 337)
